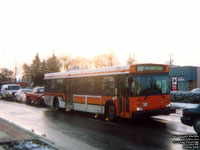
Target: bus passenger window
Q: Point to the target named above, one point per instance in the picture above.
(108, 86)
(93, 86)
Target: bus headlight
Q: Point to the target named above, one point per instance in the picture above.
(139, 108)
(168, 105)
(9, 93)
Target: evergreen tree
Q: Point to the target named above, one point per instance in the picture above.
(43, 70)
(53, 64)
(35, 71)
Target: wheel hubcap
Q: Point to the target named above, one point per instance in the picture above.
(111, 112)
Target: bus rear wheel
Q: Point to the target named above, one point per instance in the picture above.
(111, 112)
(55, 105)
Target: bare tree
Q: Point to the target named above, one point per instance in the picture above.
(131, 59)
(6, 75)
(105, 60)
(66, 61)
(85, 63)
(99, 61)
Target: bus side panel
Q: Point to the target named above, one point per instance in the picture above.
(95, 109)
(61, 102)
(105, 98)
(88, 103)
(48, 100)
(79, 102)
(94, 104)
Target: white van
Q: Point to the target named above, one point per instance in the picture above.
(9, 90)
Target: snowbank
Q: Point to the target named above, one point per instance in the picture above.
(184, 105)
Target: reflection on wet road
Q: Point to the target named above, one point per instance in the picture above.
(76, 130)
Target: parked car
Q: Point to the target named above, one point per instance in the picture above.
(36, 96)
(196, 90)
(191, 117)
(8, 90)
(20, 95)
(1, 84)
(186, 96)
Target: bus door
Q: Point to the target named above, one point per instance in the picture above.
(69, 94)
(122, 97)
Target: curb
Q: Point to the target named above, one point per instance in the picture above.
(27, 135)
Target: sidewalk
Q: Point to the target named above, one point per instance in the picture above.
(11, 134)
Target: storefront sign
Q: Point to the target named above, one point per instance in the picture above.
(174, 84)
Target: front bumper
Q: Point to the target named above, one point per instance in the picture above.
(148, 113)
(187, 121)
(11, 96)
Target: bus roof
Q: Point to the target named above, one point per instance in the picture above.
(89, 72)
(102, 71)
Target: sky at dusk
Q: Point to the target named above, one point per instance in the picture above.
(149, 29)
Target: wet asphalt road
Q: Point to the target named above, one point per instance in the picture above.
(80, 131)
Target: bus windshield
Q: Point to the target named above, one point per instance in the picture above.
(149, 84)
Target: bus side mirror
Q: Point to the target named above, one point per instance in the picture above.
(6, 89)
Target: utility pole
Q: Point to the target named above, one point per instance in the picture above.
(171, 60)
(15, 71)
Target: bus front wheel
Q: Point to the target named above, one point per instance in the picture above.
(55, 105)
(111, 112)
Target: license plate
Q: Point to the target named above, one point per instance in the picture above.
(145, 104)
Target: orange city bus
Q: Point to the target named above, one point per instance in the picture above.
(133, 91)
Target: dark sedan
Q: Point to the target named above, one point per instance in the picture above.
(191, 117)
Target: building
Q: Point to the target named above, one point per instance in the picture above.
(188, 77)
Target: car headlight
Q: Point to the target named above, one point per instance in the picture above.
(168, 105)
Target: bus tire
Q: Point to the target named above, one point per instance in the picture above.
(111, 111)
(55, 105)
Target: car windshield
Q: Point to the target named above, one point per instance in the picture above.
(13, 87)
(150, 84)
(41, 90)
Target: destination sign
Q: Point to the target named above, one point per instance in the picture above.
(142, 68)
